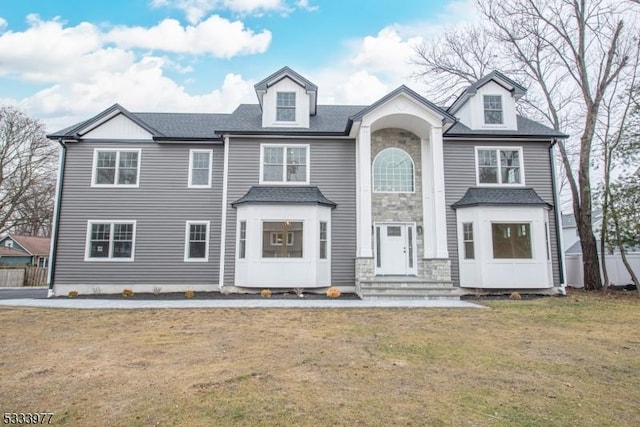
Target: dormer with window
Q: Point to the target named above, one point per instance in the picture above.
(489, 103)
(287, 100)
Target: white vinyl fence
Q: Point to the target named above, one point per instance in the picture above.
(618, 274)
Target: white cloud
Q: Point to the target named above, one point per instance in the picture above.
(3, 23)
(386, 52)
(304, 4)
(215, 36)
(195, 10)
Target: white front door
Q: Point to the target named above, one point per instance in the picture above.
(395, 249)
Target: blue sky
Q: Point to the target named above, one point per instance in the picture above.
(63, 61)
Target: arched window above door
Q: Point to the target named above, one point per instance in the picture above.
(393, 172)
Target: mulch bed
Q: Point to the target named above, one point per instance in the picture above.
(210, 296)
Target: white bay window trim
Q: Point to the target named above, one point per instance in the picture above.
(110, 257)
(117, 167)
(192, 153)
(284, 148)
(187, 242)
(499, 167)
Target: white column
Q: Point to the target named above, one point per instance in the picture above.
(364, 193)
(439, 201)
(428, 220)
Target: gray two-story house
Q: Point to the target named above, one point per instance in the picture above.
(395, 199)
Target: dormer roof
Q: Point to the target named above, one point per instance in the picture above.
(496, 76)
(286, 72)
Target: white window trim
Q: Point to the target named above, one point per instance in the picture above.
(504, 148)
(186, 241)
(284, 166)
(118, 151)
(295, 109)
(327, 242)
(87, 246)
(191, 153)
(493, 125)
(8, 243)
(413, 165)
(273, 238)
(464, 241)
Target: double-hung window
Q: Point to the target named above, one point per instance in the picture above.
(200, 162)
(286, 107)
(196, 245)
(499, 166)
(493, 110)
(323, 240)
(467, 238)
(116, 168)
(285, 164)
(110, 240)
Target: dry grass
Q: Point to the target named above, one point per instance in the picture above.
(548, 362)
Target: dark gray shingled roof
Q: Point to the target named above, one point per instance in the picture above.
(185, 125)
(329, 119)
(285, 195)
(499, 196)
(281, 73)
(517, 88)
(526, 128)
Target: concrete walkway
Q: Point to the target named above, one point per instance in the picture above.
(92, 304)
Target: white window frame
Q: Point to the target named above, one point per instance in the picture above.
(242, 239)
(284, 165)
(94, 175)
(190, 182)
(110, 258)
(8, 243)
(295, 106)
(500, 184)
(413, 173)
(531, 235)
(187, 240)
(465, 255)
(484, 119)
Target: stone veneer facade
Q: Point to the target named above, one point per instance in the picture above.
(402, 207)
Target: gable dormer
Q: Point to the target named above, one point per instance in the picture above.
(489, 103)
(287, 99)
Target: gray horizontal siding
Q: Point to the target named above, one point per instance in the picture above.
(332, 170)
(460, 174)
(161, 206)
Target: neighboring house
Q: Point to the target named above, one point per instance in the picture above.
(24, 250)
(570, 237)
(398, 198)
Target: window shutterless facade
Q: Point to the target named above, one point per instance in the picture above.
(393, 172)
(110, 241)
(284, 164)
(511, 240)
(286, 107)
(493, 110)
(196, 241)
(273, 243)
(499, 166)
(467, 239)
(200, 165)
(116, 168)
(323, 240)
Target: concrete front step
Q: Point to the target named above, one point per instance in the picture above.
(410, 297)
(403, 287)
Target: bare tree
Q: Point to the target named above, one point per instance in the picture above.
(572, 51)
(27, 174)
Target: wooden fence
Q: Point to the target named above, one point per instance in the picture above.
(24, 276)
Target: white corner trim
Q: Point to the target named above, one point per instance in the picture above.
(191, 153)
(223, 219)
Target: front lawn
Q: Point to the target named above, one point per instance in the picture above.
(549, 361)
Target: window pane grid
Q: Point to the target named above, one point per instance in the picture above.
(197, 241)
(117, 167)
(493, 109)
(286, 107)
(288, 164)
(111, 240)
(323, 240)
(393, 171)
(467, 231)
(506, 171)
(200, 168)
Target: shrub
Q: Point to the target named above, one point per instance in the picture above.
(157, 290)
(265, 293)
(189, 294)
(515, 295)
(333, 292)
(127, 293)
(72, 294)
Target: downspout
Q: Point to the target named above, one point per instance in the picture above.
(56, 218)
(556, 207)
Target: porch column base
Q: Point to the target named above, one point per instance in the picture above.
(437, 269)
(364, 271)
